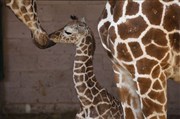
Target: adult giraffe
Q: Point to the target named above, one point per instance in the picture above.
(26, 12)
(142, 38)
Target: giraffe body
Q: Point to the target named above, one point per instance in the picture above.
(96, 102)
(142, 38)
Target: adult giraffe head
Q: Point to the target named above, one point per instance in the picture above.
(25, 11)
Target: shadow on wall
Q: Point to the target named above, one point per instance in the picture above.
(2, 95)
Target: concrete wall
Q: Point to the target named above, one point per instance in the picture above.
(42, 79)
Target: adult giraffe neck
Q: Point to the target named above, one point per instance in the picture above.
(25, 11)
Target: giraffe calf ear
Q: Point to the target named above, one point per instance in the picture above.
(73, 17)
(83, 20)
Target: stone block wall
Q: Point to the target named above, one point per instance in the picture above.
(38, 81)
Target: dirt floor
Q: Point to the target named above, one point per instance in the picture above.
(68, 115)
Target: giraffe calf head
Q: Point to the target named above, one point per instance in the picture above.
(76, 27)
(73, 32)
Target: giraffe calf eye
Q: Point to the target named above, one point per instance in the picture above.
(68, 33)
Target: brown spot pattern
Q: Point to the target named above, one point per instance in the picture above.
(112, 38)
(155, 51)
(129, 113)
(116, 78)
(98, 86)
(135, 103)
(132, 8)
(149, 107)
(175, 41)
(163, 80)
(26, 2)
(90, 83)
(23, 9)
(159, 96)
(164, 64)
(81, 88)
(172, 17)
(123, 53)
(104, 96)
(136, 49)
(80, 70)
(132, 28)
(144, 84)
(102, 108)
(78, 78)
(88, 62)
(156, 72)
(84, 100)
(130, 68)
(90, 74)
(84, 48)
(112, 3)
(162, 117)
(30, 25)
(157, 85)
(118, 9)
(112, 34)
(155, 35)
(81, 58)
(153, 10)
(14, 5)
(26, 17)
(104, 14)
(89, 94)
(94, 91)
(145, 65)
(104, 32)
(177, 61)
(89, 69)
(123, 94)
(93, 111)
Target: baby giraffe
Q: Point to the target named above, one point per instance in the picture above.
(96, 102)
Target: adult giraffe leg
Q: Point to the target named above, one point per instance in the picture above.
(25, 10)
(127, 91)
(150, 92)
(128, 95)
(153, 97)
